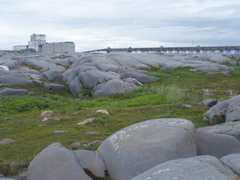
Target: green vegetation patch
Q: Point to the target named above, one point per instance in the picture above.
(20, 117)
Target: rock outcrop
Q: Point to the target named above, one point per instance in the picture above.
(197, 168)
(98, 74)
(167, 148)
(225, 111)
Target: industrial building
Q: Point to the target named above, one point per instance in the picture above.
(38, 43)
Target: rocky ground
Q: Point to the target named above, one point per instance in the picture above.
(97, 74)
(167, 148)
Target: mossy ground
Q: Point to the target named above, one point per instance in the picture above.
(161, 99)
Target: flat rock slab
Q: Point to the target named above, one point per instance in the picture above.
(219, 140)
(11, 91)
(197, 168)
(15, 81)
(137, 148)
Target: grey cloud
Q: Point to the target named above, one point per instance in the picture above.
(94, 24)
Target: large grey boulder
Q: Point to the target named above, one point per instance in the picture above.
(219, 140)
(53, 75)
(137, 148)
(75, 86)
(114, 86)
(56, 163)
(71, 75)
(14, 81)
(12, 91)
(143, 78)
(197, 168)
(90, 78)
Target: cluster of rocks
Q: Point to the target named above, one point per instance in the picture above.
(166, 148)
(96, 74)
(225, 111)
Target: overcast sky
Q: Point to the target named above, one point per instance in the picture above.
(96, 24)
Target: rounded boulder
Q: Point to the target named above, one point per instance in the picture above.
(137, 148)
(54, 163)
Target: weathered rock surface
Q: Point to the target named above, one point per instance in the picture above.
(92, 161)
(56, 162)
(225, 111)
(14, 81)
(218, 140)
(155, 149)
(113, 86)
(75, 86)
(197, 168)
(139, 147)
(101, 74)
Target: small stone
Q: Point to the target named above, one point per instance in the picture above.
(77, 109)
(74, 113)
(57, 119)
(102, 111)
(93, 133)
(47, 113)
(75, 144)
(87, 121)
(40, 125)
(7, 141)
(60, 131)
(186, 106)
(4, 119)
(45, 119)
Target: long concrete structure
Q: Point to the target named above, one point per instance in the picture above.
(197, 49)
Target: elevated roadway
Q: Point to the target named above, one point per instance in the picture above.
(197, 49)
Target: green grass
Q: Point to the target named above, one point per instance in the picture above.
(161, 99)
